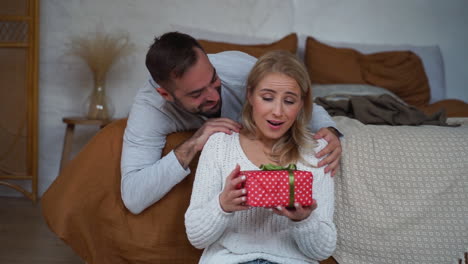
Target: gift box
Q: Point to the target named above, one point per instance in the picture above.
(273, 186)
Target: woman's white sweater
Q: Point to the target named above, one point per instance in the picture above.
(256, 233)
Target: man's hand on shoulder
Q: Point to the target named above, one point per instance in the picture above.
(187, 150)
(332, 151)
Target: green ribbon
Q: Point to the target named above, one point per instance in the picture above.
(290, 168)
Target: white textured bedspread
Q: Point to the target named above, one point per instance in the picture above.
(402, 194)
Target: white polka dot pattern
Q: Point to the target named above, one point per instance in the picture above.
(402, 195)
(271, 188)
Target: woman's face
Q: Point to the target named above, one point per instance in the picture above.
(276, 102)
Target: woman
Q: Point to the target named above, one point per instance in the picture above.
(278, 106)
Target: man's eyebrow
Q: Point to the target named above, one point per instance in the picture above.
(196, 91)
(213, 79)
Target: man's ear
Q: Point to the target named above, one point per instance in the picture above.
(165, 94)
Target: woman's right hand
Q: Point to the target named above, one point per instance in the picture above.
(231, 198)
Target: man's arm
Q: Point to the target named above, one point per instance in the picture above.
(320, 119)
(146, 176)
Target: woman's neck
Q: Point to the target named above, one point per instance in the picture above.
(256, 149)
(258, 139)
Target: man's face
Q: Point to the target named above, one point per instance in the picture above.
(198, 91)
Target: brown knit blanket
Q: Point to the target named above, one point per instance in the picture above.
(381, 110)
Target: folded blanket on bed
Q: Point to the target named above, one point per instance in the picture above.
(381, 110)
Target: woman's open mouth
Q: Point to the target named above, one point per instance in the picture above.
(274, 124)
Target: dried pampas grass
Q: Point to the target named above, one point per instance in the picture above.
(100, 50)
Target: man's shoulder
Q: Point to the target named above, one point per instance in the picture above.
(148, 114)
(232, 62)
(149, 104)
(152, 115)
(147, 95)
(233, 67)
(232, 55)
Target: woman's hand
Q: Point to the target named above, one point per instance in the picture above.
(231, 198)
(332, 150)
(298, 213)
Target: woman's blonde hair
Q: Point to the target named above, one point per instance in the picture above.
(288, 148)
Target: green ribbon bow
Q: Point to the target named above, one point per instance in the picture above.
(290, 168)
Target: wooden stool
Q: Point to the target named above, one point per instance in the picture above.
(68, 140)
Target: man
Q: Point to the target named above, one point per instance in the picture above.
(189, 90)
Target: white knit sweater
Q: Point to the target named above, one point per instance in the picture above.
(258, 232)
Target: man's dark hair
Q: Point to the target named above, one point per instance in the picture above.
(171, 55)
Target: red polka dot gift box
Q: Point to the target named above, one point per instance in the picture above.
(275, 185)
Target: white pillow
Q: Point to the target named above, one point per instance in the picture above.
(344, 91)
(431, 57)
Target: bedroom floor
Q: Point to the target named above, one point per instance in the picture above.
(25, 237)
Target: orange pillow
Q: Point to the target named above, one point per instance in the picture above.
(330, 65)
(288, 43)
(401, 72)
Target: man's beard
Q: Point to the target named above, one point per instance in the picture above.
(198, 111)
(212, 114)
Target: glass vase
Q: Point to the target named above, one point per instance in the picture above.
(98, 105)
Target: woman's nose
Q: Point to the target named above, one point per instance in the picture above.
(277, 108)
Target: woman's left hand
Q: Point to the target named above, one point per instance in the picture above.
(298, 213)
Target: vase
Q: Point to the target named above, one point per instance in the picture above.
(98, 105)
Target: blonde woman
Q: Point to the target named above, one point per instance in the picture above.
(277, 110)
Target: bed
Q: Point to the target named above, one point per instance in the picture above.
(402, 192)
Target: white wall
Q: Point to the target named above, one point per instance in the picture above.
(417, 22)
(65, 81)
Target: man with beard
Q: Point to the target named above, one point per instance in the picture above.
(190, 90)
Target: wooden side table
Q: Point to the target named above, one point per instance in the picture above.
(68, 139)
